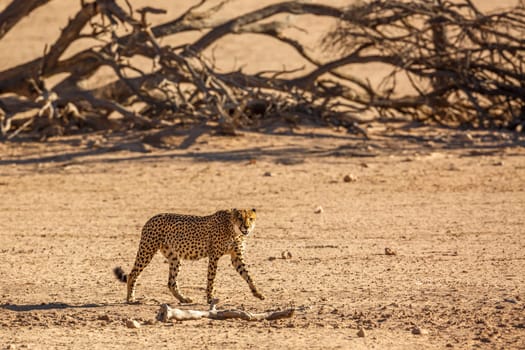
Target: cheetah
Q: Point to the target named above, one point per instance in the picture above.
(193, 237)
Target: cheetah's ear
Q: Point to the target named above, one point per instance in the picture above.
(253, 209)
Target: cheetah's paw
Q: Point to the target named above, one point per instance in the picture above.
(258, 295)
(186, 300)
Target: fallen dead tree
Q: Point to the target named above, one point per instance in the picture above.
(167, 313)
(465, 68)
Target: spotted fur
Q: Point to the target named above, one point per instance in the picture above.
(193, 237)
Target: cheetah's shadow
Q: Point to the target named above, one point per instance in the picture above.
(48, 306)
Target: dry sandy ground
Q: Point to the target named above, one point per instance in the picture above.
(450, 205)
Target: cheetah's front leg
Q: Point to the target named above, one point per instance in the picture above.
(172, 281)
(239, 265)
(212, 271)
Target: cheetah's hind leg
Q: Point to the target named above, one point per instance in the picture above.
(121, 276)
(144, 256)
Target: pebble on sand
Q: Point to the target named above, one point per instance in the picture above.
(361, 333)
(389, 251)
(350, 178)
(132, 323)
(419, 331)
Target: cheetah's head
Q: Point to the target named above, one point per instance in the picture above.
(244, 220)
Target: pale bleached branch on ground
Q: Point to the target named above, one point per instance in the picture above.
(166, 313)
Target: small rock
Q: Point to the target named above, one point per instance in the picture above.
(150, 322)
(498, 163)
(350, 178)
(286, 255)
(361, 333)
(146, 148)
(448, 345)
(318, 210)
(104, 318)
(365, 165)
(419, 331)
(389, 251)
(132, 323)
(268, 174)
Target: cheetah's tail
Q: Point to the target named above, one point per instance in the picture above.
(120, 274)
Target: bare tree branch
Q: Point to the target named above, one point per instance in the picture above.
(15, 11)
(16, 79)
(236, 24)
